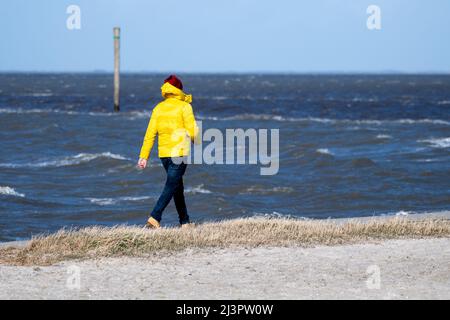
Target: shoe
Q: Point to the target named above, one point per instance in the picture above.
(152, 223)
(188, 225)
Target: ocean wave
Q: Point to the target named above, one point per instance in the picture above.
(130, 115)
(246, 116)
(202, 117)
(271, 117)
(41, 94)
(138, 114)
(403, 213)
(113, 201)
(35, 110)
(267, 191)
(408, 213)
(21, 110)
(324, 151)
(425, 160)
(65, 161)
(249, 116)
(443, 102)
(438, 142)
(383, 136)
(8, 191)
(431, 160)
(58, 111)
(197, 189)
(359, 99)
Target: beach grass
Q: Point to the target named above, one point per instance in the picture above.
(97, 242)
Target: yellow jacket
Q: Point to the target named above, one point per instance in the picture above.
(173, 120)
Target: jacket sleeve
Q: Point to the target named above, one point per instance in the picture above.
(149, 138)
(189, 122)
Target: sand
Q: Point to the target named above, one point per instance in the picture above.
(394, 269)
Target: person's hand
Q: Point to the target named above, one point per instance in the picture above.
(142, 163)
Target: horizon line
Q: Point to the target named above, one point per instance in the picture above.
(262, 72)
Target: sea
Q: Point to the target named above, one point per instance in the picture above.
(349, 146)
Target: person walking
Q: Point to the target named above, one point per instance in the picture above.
(174, 122)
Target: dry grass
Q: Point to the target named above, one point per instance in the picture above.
(95, 242)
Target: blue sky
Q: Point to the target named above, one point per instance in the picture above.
(227, 36)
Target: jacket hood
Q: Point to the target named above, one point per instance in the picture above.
(170, 91)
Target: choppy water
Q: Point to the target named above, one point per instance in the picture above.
(349, 146)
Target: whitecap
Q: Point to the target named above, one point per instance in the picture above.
(246, 116)
(438, 142)
(35, 110)
(42, 94)
(383, 136)
(260, 190)
(140, 114)
(403, 213)
(132, 115)
(57, 111)
(135, 198)
(272, 117)
(427, 121)
(8, 191)
(359, 99)
(425, 160)
(407, 213)
(21, 110)
(113, 201)
(201, 117)
(277, 215)
(102, 201)
(197, 189)
(324, 151)
(65, 161)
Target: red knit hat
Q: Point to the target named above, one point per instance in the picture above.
(173, 80)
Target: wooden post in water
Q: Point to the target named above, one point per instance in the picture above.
(116, 69)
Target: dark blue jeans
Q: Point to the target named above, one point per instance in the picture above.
(173, 188)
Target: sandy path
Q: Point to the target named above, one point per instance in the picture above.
(408, 269)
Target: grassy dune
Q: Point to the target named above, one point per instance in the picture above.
(95, 242)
